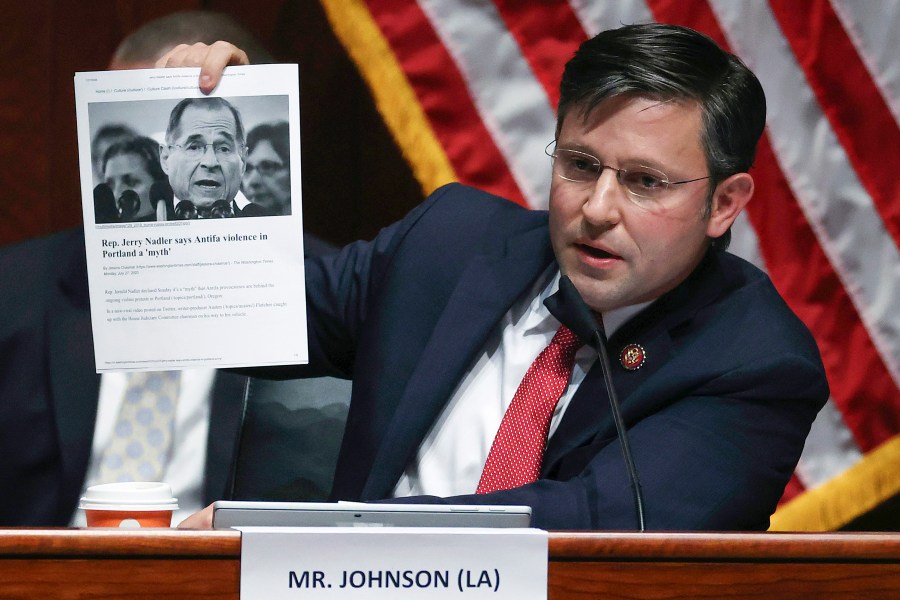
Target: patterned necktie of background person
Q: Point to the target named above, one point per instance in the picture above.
(518, 449)
(142, 439)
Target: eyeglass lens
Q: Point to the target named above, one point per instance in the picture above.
(222, 150)
(573, 165)
(265, 167)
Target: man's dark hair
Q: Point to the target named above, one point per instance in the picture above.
(669, 62)
(277, 134)
(205, 104)
(153, 39)
(144, 148)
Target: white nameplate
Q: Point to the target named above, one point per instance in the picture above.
(332, 563)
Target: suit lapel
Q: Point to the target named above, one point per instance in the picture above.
(488, 287)
(588, 415)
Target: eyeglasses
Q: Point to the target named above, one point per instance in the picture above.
(646, 186)
(222, 150)
(264, 167)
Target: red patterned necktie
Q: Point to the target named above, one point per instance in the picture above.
(518, 448)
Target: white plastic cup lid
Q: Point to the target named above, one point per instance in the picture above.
(131, 495)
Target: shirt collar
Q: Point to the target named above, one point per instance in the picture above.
(539, 320)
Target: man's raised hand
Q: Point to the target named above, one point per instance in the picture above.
(212, 60)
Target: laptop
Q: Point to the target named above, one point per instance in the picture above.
(234, 513)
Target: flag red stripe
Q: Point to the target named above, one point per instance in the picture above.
(548, 33)
(443, 95)
(860, 382)
(695, 14)
(851, 101)
(793, 489)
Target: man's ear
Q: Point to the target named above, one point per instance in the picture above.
(729, 199)
(164, 158)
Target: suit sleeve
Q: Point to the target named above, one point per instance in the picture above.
(341, 289)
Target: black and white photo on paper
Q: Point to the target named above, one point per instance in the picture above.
(176, 159)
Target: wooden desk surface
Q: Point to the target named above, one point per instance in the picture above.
(162, 563)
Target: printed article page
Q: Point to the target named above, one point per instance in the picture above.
(192, 218)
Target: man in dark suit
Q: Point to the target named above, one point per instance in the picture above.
(717, 413)
(719, 382)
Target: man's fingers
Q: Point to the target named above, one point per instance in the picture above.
(219, 56)
(199, 520)
(212, 60)
(174, 57)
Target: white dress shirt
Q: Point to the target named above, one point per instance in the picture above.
(187, 464)
(452, 455)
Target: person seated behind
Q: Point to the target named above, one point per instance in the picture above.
(267, 174)
(143, 47)
(130, 168)
(106, 136)
(57, 414)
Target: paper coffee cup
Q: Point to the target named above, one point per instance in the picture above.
(132, 504)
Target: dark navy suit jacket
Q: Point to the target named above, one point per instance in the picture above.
(717, 417)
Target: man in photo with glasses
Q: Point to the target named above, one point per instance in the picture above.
(468, 389)
(204, 158)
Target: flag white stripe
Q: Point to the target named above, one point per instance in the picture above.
(874, 27)
(821, 177)
(513, 105)
(830, 448)
(744, 242)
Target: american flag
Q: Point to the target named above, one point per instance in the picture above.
(469, 87)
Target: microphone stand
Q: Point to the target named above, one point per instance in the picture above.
(600, 336)
(572, 307)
